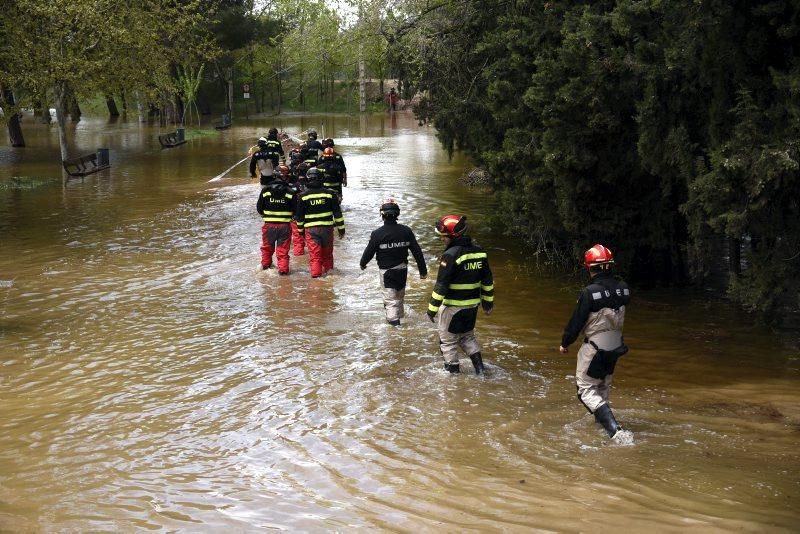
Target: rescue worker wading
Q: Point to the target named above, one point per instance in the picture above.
(599, 314)
(299, 187)
(267, 157)
(307, 161)
(328, 143)
(332, 173)
(391, 243)
(313, 147)
(276, 205)
(317, 212)
(464, 281)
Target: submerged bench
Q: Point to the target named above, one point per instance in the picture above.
(224, 124)
(171, 139)
(88, 164)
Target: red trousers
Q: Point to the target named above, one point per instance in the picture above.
(298, 241)
(277, 238)
(319, 240)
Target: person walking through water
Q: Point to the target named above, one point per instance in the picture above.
(318, 211)
(599, 314)
(276, 205)
(266, 157)
(332, 173)
(464, 281)
(391, 243)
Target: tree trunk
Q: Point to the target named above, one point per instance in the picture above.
(41, 111)
(14, 129)
(180, 109)
(73, 108)
(230, 94)
(139, 106)
(112, 106)
(362, 82)
(124, 102)
(734, 256)
(61, 94)
(280, 89)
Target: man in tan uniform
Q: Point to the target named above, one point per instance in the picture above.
(599, 314)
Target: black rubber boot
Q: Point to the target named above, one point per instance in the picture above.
(605, 417)
(395, 322)
(452, 367)
(477, 363)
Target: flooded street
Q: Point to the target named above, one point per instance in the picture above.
(152, 377)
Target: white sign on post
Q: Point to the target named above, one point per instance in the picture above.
(246, 90)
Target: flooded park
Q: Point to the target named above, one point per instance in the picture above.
(152, 377)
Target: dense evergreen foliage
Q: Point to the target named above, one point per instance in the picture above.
(665, 130)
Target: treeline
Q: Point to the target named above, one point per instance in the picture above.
(178, 59)
(668, 131)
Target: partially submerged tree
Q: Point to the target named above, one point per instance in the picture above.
(97, 46)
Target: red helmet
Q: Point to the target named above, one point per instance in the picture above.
(327, 153)
(284, 170)
(598, 255)
(451, 225)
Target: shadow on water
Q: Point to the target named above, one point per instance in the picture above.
(153, 377)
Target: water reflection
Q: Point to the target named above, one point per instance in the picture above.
(154, 378)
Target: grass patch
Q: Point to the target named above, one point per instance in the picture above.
(16, 183)
(194, 132)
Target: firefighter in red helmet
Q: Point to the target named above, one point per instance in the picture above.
(464, 281)
(599, 315)
(332, 172)
(329, 143)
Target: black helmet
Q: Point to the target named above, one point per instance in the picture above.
(390, 209)
(273, 133)
(312, 133)
(327, 142)
(313, 175)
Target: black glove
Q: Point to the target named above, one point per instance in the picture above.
(341, 233)
(487, 307)
(431, 316)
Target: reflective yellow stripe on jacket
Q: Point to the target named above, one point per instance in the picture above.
(463, 294)
(278, 216)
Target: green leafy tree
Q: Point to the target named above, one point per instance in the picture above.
(91, 47)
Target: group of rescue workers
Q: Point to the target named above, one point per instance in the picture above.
(300, 203)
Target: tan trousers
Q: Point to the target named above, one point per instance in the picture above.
(392, 297)
(592, 392)
(449, 343)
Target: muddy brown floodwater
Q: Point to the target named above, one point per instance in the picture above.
(152, 378)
